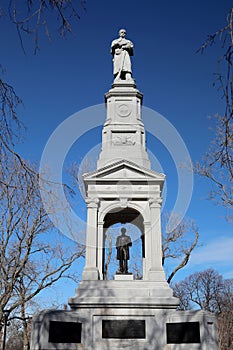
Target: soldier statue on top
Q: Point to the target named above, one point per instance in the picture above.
(121, 50)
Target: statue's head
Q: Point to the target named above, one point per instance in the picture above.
(122, 33)
(123, 230)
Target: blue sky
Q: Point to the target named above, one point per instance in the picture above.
(70, 74)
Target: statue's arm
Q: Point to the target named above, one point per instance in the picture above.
(114, 45)
(129, 47)
(129, 244)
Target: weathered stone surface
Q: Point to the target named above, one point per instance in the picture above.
(156, 321)
(123, 135)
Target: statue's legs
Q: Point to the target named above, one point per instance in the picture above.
(125, 266)
(121, 267)
(123, 76)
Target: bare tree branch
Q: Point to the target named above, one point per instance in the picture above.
(217, 165)
(35, 15)
(179, 243)
(107, 262)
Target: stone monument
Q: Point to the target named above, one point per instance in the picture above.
(123, 313)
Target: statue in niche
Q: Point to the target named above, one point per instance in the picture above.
(121, 50)
(123, 243)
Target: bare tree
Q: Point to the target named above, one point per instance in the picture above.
(178, 243)
(217, 165)
(32, 18)
(33, 254)
(30, 260)
(207, 290)
(15, 335)
(203, 289)
(225, 318)
(108, 238)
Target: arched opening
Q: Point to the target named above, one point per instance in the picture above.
(131, 220)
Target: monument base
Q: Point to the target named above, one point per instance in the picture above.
(123, 293)
(117, 329)
(124, 315)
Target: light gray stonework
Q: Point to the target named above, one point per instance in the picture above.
(120, 277)
(124, 313)
(156, 323)
(123, 135)
(124, 192)
(135, 294)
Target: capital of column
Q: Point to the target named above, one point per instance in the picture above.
(155, 202)
(92, 202)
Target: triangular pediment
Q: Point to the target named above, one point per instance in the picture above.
(123, 169)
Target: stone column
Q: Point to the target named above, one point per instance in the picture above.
(147, 242)
(90, 271)
(156, 272)
(100, 249)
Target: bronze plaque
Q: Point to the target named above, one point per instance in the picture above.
(183, 332)
(65, 332)
(124, 329)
